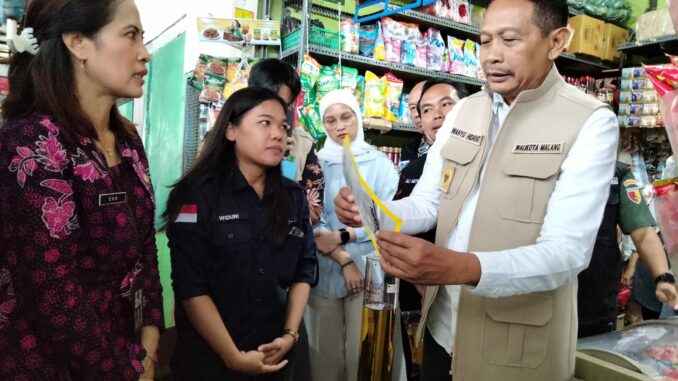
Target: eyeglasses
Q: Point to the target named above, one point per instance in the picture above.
(331, 122)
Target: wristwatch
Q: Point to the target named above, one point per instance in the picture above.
(344, 235)
(666, 277)
(293, 333)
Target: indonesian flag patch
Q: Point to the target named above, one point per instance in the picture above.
(188, 214)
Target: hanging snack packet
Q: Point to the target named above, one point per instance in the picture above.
(436, 48)
(394, 88)
(329, 80)
(199, 73)
(374, 96)
(367, 37)
(239, 82)
(310, 71)
(470, 59)
(349, 78)
(349, 37)
(313, 121)
(456, 48)
(212, 89)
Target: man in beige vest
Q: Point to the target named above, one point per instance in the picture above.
(517, 182)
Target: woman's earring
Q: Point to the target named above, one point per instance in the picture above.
(82, 64)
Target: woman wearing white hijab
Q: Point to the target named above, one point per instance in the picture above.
(334, 311)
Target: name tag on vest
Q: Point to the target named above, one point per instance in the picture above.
(539, 148)
(229, 217)
(112, 198)
(466, 136)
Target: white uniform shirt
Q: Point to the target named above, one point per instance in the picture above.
(565, 243)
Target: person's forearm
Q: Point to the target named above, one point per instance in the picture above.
(150, 336)
(297, 300)
(650, 249)
(206, 319)
(340, 255)
(633, 261)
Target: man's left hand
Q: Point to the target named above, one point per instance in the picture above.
(666, 293)
(421, 262)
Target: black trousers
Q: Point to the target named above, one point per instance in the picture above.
(595, 329)
(436, 363)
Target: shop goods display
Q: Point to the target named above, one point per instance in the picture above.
(617, 11)
(650, 347)
(596, 38)
(379, 97)
(638, 100)
(405, 43)
(654, 24)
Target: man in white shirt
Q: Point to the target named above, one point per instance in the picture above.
(553, 202)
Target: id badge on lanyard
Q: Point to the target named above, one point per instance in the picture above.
(138, 307)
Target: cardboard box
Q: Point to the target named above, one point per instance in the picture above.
(613, 36)
(588, 36)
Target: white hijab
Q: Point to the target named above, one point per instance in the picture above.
(331, 151)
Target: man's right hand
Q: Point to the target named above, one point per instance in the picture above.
(346, 208)
(252, 363)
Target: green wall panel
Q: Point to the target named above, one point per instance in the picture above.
(165, 99)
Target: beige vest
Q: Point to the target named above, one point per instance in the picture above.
(526, 337)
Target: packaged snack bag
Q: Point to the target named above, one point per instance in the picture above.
(374, 96)
(394, 88)
(330, 79)
(436, 48)
(367, 36)
(470, 59)
(456, 51)
(349, 37)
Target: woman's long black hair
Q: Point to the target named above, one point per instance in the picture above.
(218, 157)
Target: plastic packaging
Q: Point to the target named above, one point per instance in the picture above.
(374, 96)
(436, 48)
(349, 42)
(394, 88)
(456, 55)
(367, 39)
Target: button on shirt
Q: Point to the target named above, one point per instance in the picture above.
(565, 243)
(225, 252)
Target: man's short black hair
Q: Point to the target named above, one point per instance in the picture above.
(549, 15)
(272, 73)
(462, 92)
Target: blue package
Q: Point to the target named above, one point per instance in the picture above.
(367, 36)
(289, 169)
